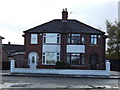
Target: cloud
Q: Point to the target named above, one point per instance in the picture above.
(19, 15)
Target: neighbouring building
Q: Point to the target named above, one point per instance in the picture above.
(65, 40)
(1, 51)
(12, 51)
(119, 11)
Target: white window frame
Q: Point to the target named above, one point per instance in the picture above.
(57, 38)
(34, 39)
(94, 39)
(44, 62)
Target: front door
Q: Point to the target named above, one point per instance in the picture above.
(93, 61)
(33, 60)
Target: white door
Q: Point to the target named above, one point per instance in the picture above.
(33, 57)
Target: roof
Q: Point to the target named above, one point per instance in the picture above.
(2, 37)
(67, 26)
(12, 48)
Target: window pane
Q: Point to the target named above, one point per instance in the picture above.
(68, 58)
(93, 40)
(33, 59)
(52, 38)
(68, 41)
(51, 58)
(75, 59)
(93, 35)
(34, 39)
(44, 59)
(34, 35)
(75, 34)
(75, 39)
(83, 40)
(82, 59)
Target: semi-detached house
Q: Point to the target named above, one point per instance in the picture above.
(65, 40)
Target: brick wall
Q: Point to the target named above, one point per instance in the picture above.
(90, 49)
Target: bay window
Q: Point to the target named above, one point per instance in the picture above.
(50, 58)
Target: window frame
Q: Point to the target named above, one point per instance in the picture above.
(58, 38)
(80, 58)
(44, 61)
(34, 39)
(80, 36)
(93, 39)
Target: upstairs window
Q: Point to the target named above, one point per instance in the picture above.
(34, 39)
(94, 39)
(76, 39)
(51, 38)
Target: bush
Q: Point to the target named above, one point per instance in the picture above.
(61, 65)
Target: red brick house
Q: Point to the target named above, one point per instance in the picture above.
(65, 40)
(10, 52)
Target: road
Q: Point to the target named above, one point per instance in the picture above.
(57, 82)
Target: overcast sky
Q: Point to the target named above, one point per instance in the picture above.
(17, 16)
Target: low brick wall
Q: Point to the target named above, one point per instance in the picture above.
(61, 71)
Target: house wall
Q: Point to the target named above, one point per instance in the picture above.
(5, 61)
(20, 61)
(99, 49)
(33, 48)
(4, 56)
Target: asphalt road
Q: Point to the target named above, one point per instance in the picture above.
(55, 82)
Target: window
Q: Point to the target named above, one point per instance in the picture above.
(51, 38)
(93, 39)
(76, 39)
(82, 59)
(34, 39)
(83, 39)
(50, 58)
(33, 59)
(75, 59)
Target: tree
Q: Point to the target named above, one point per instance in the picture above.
(113, 31)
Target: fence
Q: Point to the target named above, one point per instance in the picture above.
(60, 71)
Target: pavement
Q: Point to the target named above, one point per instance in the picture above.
(113, 75)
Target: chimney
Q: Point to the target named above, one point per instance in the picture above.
(64, 14)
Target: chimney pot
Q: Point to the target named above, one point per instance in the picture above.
(9, 43)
